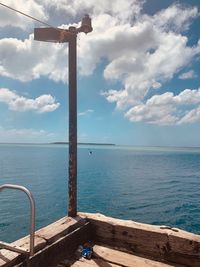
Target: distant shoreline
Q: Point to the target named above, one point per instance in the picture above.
(60, 143)
(105, 144)
(90, 144)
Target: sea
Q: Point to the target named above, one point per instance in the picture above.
(156, 185)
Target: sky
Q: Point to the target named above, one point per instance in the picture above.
(138, 73)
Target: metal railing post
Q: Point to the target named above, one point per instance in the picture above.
(32, 215)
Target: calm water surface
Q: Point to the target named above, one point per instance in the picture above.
(151, 185)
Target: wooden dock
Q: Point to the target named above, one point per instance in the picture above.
(109, 257)
(115, 242)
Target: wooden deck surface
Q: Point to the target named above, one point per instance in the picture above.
(60, 240)
(107, 257)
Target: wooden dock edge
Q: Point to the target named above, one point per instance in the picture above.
(156, 242)
(52, 243)
(59, 240)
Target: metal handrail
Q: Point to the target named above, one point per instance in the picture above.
(32, 216)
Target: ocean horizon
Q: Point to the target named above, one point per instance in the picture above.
(156, 185)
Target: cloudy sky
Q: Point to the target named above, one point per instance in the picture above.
(138, 72)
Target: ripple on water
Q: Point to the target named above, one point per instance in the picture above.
(147, 185)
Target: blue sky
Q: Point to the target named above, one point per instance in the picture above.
(138, 73)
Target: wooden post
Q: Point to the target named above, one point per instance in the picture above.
(57, 35)
(72, 181)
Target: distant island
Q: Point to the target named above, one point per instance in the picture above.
(90, 144)
(60, 143)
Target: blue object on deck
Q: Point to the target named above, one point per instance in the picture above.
(87, 252)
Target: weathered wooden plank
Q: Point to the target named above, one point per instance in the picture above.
(104, 256)
(63, 248)
(60, 228)
(43, 237)
(172, 245)
(24, 243)
(128, 235)
(124, 259)
(13, 248)
(87, 263)
(9, 258)
(156, 242)
(184, 247)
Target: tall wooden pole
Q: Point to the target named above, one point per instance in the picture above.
(72, 181)
(52, 34)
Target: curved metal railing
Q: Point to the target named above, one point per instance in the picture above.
(32, 219)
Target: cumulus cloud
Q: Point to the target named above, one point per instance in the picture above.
(176, 17)
(150, 58)
(27, 59)
(140, 51)
(168, 109)
(30, 7)
(65, 11)
(38, 59)
(188, 75)
(41, 104)
(191, 116)
(131, 50)
(123, 9)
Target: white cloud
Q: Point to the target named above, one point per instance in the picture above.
(25, 135)
(149, 63)
(142, 52)
(86, 112)
(66, 11)
(168, 109)
(191, 116)
(188, 75)
(143, 68)
(188, 97)
(131, 51)
(30, 7)
(41, 104)
(176, 17)
(123, 9)
(32, 59)
(157, 110)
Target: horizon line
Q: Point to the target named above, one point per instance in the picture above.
(91, 143)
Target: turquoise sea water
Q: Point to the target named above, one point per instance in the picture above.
(151, 185)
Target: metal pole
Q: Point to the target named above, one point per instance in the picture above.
(32, 215)
(72, 182)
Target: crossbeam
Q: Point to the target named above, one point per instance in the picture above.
(52, 35)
